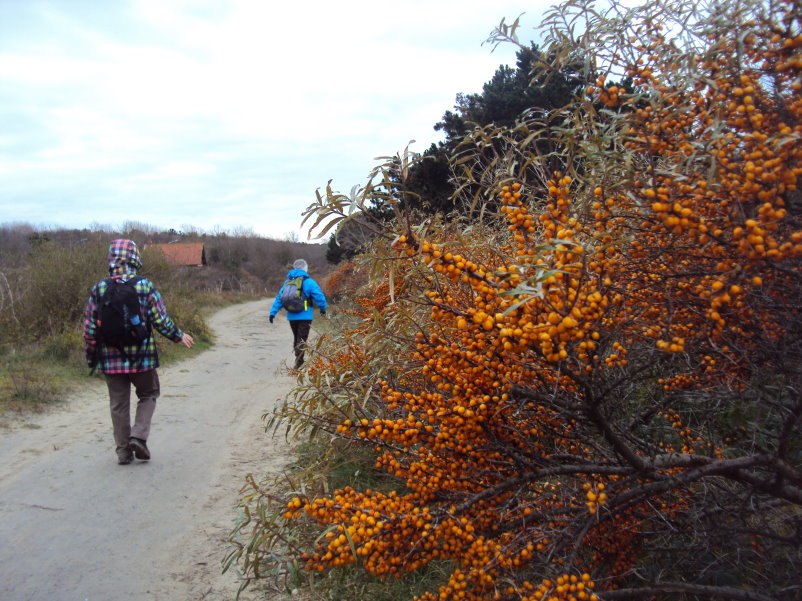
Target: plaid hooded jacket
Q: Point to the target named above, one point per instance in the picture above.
(124, 262)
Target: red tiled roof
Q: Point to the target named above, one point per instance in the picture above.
(183, 253)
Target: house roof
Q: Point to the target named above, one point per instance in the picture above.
(183, 253)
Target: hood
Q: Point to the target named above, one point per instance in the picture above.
(123, 257)
(294, 273)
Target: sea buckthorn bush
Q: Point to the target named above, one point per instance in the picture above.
(597, 395)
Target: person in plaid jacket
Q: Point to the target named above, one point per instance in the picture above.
(137, 364)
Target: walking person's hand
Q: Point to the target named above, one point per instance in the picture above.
(187, 340)
(271, 319)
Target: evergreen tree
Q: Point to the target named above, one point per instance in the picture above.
(503, 100)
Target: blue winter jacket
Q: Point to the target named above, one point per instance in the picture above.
(310, 290)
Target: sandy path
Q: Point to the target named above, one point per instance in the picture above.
(75, 526)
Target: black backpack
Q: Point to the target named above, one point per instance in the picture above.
(120, 318)
(292, 296)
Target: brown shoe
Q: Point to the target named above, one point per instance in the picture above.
(125, 457)
(139, 448)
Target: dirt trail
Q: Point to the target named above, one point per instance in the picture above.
(75, 526)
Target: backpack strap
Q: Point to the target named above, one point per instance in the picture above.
(134, 281)
(304, 296)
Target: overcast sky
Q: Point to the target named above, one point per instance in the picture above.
(224, 114)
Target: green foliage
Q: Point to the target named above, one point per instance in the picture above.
(185, 310)
(336, 464)
(65, 347)
(510, 93)
(505, 100)
(24, 385)
(58, 280)
(335, 252)
(351, 582)
(32, 378)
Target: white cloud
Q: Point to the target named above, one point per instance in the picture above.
(222, 112)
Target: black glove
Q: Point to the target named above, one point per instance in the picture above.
(322, 312)
(92, 363)
(271, 319)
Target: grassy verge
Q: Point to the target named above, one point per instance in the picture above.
(30, 382)
(353, 582)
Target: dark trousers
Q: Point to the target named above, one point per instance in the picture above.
(146, 385)
(300, 333)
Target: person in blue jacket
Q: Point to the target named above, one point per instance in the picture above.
(300, 321)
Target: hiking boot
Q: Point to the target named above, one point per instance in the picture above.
(298, 364)
(125, 457)
(139, 448)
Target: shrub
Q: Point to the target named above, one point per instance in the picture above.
(600, 398)
(54, 287)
